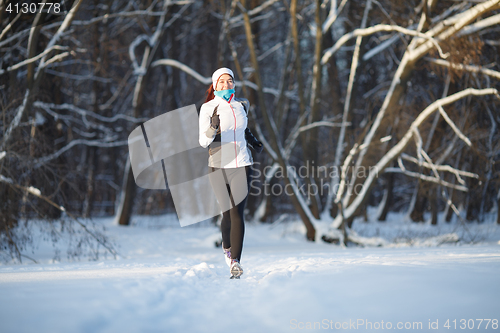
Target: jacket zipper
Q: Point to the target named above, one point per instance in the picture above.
(234, 133)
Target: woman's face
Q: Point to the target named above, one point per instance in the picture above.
(225, 82)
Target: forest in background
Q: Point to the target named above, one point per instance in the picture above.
(398, 99)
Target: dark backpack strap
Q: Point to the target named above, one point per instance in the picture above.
(244, 106)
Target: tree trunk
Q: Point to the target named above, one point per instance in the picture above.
(127, 197)
(473, 206)
(434, 205)
(307, 141)
(32, 47)
(89, 196)
(417, 214)
(498, 208)
(313, 134)
(388, 195)
(339, 151)
(310, 230)
(449, 211)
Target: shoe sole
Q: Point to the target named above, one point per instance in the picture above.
(236, 271)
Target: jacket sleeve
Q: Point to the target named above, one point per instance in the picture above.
(204, 126)
(252, 141)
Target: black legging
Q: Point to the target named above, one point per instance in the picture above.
(233, 221)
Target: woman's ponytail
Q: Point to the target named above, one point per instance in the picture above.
(210, 93)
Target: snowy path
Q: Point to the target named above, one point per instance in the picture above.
(287, 286)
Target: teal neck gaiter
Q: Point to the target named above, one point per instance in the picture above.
(226, 94)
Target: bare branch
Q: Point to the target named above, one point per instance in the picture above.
(56, 58)
(347, 162)
(66, 23)
(395, 151)
(454, 127)
(296, 131)
(294, 134)
(488, 22)
(332, 16)
(9, 26)
(21, 109)
(427, 178)
(379, 48)
(429, 161)
(29, 61)
(18, 35)
(322, 123)
(462, 67)
(147, 12)
(37, 193)
(208, 80)
(41, 161)
(447, 168)
(252, 12)
(419, 143)
(267, 145)
(122, 84)
(454, 25)
(85, 113)
(89, 77)
(414, 53)
(372, 30)
(184, 68)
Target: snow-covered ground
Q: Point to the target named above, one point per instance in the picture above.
(172, 279)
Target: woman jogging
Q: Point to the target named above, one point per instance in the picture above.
(223, 129)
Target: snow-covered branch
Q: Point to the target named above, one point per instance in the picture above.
(296, 132)
(435, 180)
(255, 11)
(96, 143)
(333, 14)
(57, 36)
(208, 80)
(454, 127)
(21, 109)
(37, 193)
(416, 51)
(85, 113)
(475, 27)
(82, 23)
(9, 26)
(462, 67)
(454, 25)
(116, 94)
(343, 178)
(447, 168)
(395, 151)
(372, 30)
(266, 143)
(322, 123)
(184, 68)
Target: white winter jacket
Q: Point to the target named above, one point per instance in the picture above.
(234, 152)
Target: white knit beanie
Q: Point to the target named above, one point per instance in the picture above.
(217, 74)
